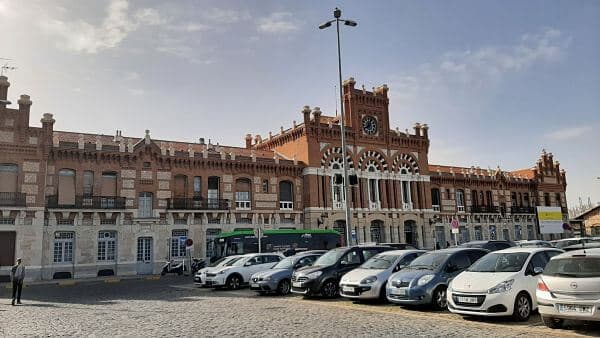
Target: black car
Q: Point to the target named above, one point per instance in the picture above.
(493, 245)
(400, 246)
(323, 277)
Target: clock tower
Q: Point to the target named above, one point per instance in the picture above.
(366, 112)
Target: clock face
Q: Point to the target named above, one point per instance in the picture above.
(369, 124)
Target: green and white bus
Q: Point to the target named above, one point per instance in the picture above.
(244, 241)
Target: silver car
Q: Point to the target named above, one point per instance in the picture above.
(368, 281)
(569, 288)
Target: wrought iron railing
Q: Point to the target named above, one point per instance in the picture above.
(197, 203)
(87, 202)
(12, 199)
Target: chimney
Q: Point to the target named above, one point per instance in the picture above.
(417, 128)
(425, 130)
(48, 128)
(24, 103)
(201, 141)
(248, 141)
(4, 84)
(317, 115)
(306, 114)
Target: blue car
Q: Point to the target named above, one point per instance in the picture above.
(425, 280)
(278, 278)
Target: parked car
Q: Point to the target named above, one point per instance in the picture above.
(501, 283)
(400, 246)
(561, 243)
(491, 245)
(200, 276)
(368, 281)
(580, 246)
(569, 288)
(278, 278)
(323, 277)
(237, 274)
(534, 244)
(425, 280)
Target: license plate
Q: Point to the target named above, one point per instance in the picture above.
(574, 308)
(470, 300)
(399, 292)
(254, 285)
(348, 289)
(297, 284)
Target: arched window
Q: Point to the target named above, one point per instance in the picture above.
(286, 195)
(66, 187)
(373, 189)
(460, 200)
(435, 199)
(242, 194)
(180, 186)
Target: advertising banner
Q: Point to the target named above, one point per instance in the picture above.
(551, 220)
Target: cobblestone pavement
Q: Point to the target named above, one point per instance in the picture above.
(173, 306)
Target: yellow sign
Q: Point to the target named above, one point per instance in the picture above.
(550, 216)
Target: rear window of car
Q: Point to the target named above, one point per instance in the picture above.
(574, 267)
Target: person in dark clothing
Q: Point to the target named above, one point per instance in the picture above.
(17, 275)
(447, 244)
(437, 245)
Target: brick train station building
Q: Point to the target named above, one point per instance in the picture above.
(79, 205)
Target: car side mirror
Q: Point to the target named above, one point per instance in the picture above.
(247, 263)
(537, 270)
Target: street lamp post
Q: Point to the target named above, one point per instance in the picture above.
(337, 13)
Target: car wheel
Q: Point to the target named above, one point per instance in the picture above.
(284, 287)
(439, 300)
(553, 323)
(234, 282)
(522, 309)
(330, 289)
(382, 293)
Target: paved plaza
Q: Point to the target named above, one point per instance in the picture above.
(173, 306)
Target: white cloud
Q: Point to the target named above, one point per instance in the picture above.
(136, 91)
(131, 76)
(224, 16)
(484, 66)
(569, 133)
(83, 37)
(278, 23)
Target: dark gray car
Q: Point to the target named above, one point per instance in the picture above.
(278, 278)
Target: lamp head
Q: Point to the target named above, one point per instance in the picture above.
(337, 13)
(325, 25)
(350, 23)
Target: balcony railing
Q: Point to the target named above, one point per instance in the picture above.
(12, 199)
(87, 202)
(243, 205)
(484, 209)
(198, 204)
(286, 205)
(522, 210)
(435, 207)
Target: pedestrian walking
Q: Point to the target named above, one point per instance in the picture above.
(17, 275)
(447, 244)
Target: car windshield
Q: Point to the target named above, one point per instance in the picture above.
(379, 262)
(429, 261)
(500, 262)
(219, 262)
(330, 257)
(231, 261)
(286, 263)
(574, 267)
(240, 261)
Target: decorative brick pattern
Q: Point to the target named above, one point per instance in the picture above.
(6, 136)
(128, 184)
(266, 197)
(163, 194)
(227, 187)
(29, 189)
(31, 167)
(9, 122)
(227, 179)
(33, 140)
(146, 175)
(30, 178)
(30, 199)
(128, 173)
(127, 193)
(266, 205)
(163, 175)
(163, 185)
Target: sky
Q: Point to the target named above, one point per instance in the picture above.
(497, 81)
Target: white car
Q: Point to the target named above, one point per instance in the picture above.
(569, 288)
(200, 277)
(239, 273)
(368, 280)
(501, 283)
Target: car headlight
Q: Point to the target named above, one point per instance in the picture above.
(314, 275)
(369, 280)
(502, 287)
(221, 272)
(425, 279)
(266, 278)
